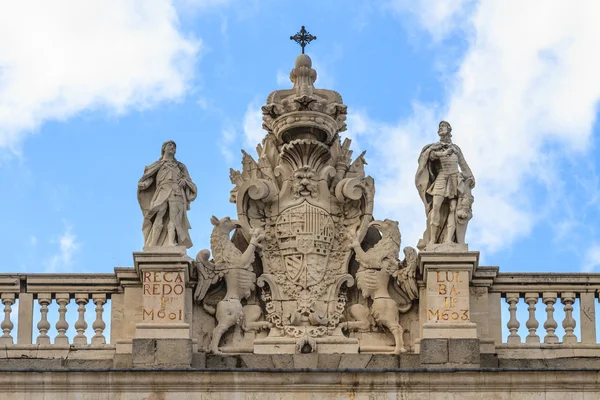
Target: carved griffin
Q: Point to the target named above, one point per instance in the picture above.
(236, 268)
(376, 266)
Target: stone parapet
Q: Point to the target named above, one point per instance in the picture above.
(331, 384)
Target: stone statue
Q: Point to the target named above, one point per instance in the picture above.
(165, 192)
(442, 187)
(236, 268)
(376, 267)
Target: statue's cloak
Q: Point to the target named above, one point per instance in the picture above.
(150, 200)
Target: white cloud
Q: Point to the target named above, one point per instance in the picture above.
(392, 160)
(524, 98)
(438, 17)
(60, 57)
(591, 260)
(227, 143)
(253, 131)
(202, 4)
(68, 246)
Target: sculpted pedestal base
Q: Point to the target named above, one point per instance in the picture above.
(163, 335)
(449, 337)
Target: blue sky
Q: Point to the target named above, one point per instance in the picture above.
(90, 90)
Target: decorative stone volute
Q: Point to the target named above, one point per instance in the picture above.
(304, 112)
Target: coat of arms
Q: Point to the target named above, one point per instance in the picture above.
(305, 235)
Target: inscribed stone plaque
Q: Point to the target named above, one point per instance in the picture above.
(163, 296)
(448, 296)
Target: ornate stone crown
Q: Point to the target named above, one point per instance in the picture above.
(304, 112)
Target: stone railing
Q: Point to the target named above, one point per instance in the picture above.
(22, 291)
(542, 303)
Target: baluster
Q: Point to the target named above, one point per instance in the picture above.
(513, 325)
(99, 325)
(550, 325)
(568, 323)
(44, 299)
(80, 325)
(532, 324)
(62, 325)
(8, 299)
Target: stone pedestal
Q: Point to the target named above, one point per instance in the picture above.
(164, 273)
(449, 337)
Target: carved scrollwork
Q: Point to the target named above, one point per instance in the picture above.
(349, 189)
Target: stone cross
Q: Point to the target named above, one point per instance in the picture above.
(303, 38)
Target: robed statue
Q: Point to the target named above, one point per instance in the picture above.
(165, 192)
(444, 181)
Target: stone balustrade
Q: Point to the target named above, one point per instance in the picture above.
(542, 303)
(24, 290)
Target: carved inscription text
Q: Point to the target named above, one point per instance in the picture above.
(163, 293)
(448, 295)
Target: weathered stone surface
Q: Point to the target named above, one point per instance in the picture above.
(383, 361)
(283, 361)
(354, 360)
(143, 351)
(174, 352)
(410, 361)
(215, 385)
(488, 361)
(222, 361)
(257, 360)
(17, 364)
(463, 351)
(434, 351)
(329, 360)
(304, 361)
(198, 360)
(122, 361)
(88, 364)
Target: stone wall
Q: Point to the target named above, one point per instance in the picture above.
(266, 384)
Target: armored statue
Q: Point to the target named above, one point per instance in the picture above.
(165, 192)
(376, 267)
(444, 182)
(236, 268)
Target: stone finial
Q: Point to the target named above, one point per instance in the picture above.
(303, 76)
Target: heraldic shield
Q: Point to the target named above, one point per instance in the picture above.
(305, 234)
